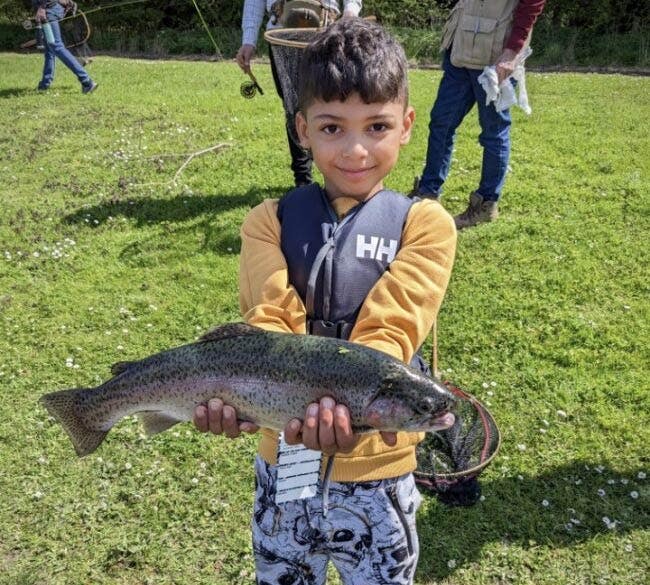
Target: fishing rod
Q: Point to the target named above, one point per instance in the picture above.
(248, 89)
(28, 23)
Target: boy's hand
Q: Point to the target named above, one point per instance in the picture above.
(327, 428)
(220, 419)
(41, 15)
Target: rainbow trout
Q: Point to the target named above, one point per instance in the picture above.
(269, 378)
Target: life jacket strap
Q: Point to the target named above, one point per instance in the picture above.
(339, 330)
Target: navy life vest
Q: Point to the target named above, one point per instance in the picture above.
(333, 264)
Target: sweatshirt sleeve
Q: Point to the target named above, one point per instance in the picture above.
(266, 298)
(524, 18)
(400, 309)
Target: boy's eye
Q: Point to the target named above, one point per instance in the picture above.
(379, 127)
(330, 129)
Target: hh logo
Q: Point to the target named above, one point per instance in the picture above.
(376, 248)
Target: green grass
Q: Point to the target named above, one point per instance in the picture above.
(103, 258)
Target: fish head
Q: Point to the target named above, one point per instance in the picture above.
(407, 400)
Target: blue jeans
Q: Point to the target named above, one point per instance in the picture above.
(58, 49)
(458, 92)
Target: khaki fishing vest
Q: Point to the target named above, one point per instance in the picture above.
(477, 31)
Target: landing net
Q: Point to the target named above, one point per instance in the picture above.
(286, 45)
(449, 461)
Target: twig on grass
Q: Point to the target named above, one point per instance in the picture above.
(190, 156)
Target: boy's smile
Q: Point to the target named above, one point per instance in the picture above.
(354, 144)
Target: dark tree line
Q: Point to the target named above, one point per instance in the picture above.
(592, 15)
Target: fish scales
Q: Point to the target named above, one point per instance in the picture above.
(269, 378)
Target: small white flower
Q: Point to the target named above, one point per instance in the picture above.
(520, 477)
(195, 480)
(493, 384)
(624, 481)
(575, 521)
(542, 431)
(561, 413)
(127, 466)
(120, 347)
(490, 393)
(634, 495)
(451, 563)
(599, 468)
(521, 447)
(641, 475)
(628, 548)
(601, 493)
(546, 503)
(545, 422)
(38, 495)
(611, 481)
(485, 385)
(611, 524)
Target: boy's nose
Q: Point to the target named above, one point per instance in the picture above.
(354, 147)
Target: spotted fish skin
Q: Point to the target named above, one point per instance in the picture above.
(269, 378)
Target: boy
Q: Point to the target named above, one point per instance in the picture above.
(351, 260)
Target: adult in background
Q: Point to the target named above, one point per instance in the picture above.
(252, 18)
(52, 11)
(477, 34)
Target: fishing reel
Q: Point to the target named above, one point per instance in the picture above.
(249, 89)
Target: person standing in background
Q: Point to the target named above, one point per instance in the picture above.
(51, 12)
(476, 34)
(252, 18)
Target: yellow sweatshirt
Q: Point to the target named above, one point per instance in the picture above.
(395, 318)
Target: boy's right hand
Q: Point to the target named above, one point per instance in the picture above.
(220, 419)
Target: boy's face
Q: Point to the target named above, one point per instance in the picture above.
(354, 144)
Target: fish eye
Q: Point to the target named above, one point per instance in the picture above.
(426, 405)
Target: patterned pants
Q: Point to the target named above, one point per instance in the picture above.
(369, 533)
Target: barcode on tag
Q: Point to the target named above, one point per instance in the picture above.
(298, 472)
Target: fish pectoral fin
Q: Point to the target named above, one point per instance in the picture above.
(155, 422)
(231, 330)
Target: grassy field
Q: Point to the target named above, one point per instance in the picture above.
(104, 257)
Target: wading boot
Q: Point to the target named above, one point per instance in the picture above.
(478, 211)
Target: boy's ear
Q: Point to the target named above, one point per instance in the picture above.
(301, 130)
(407, 125)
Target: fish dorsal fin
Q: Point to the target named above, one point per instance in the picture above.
(120, 367)
(230, 330)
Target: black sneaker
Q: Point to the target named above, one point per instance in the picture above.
(92, 86)
(415, 192)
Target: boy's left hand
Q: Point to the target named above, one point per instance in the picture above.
(327, 428)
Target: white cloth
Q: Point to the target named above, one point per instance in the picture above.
(504, 95)
(253, 15)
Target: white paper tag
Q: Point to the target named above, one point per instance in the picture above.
(298, 472)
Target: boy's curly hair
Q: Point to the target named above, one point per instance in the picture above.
(353, 55)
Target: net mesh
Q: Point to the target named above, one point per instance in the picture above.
(286, 45)
(452, 459)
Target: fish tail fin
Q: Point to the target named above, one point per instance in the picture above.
(63, 406)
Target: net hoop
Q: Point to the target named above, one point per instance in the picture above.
(282, 36)
(489, 449)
